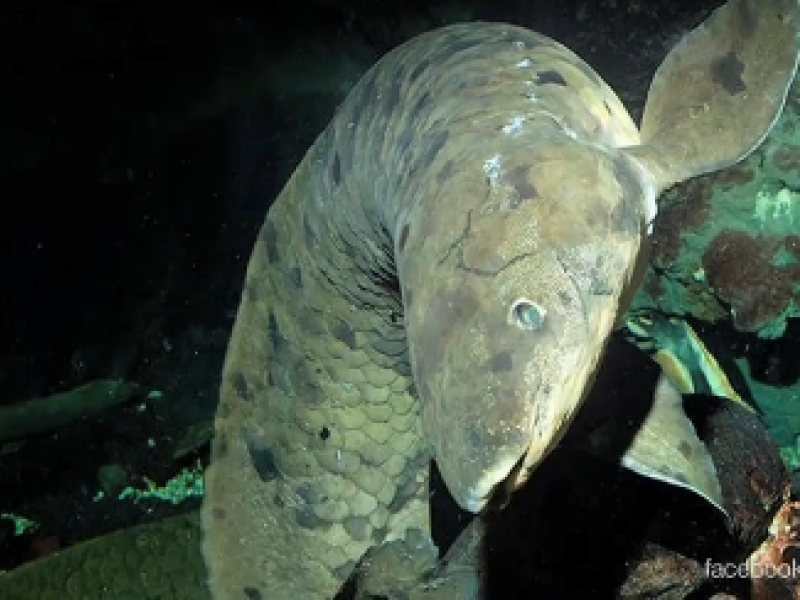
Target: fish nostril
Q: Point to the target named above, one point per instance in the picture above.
(527, 315)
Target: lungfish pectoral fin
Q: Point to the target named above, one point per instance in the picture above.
(720, 90)
(667, 448)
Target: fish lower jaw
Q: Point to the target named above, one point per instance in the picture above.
(479, 495)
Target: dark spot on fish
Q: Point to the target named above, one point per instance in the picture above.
(346, 144)
(404, 141)
(219, 513)
(727, 72)
(685, 449)
(502, 362)
(388, 346)
(309, 493)
(241, 387)
(566, 299)
(458, 45)
(251, 291)
(219, 447)
(262, 458)
(309, 321)
(270, 237)
(309, 234)
(403, 145)
(608, 107)
(307, 518)
(345, 334)
(296, 277)
(224, 410)
(358, 528)
(324, 433)
(391, 97)
(538, 415)
(434, 146)
(290, 373)
(599, 285)
(422, 102)
(417, 70)
(403, 237)
(446, 172)
(252, 593)
(550, 76)
(403, 367)
(275, 337)
(524, 190)
(375, 218)
(312, 394)
(336, 170)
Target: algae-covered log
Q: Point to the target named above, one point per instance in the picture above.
(159, 560)
(51, 412)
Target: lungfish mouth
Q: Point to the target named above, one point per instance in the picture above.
(494, 488)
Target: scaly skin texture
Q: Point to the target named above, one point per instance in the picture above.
(319, 451)
(161, 560)
(439, 278)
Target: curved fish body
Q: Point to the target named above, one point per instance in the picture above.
(438, 280)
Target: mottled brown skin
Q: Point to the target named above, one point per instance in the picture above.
(391, 236)
(437, 279)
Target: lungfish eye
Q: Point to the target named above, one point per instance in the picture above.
(527, 315)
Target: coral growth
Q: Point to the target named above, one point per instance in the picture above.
(688, 212)
(743, 273)
(783, 162)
